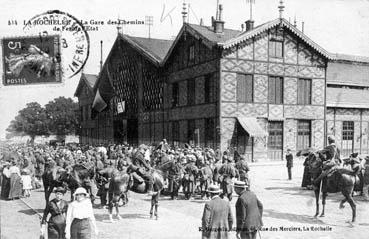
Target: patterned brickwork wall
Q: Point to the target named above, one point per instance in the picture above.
(261, 47)
(227, 128)
(318, 86)
(299, 61)
(245, 51)
(228, 87)
(317, 128)
(290, 90)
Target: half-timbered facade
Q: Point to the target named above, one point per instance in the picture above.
(258, 91)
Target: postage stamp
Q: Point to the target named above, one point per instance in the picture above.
(30, 60)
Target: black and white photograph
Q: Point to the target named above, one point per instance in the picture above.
(166, 119)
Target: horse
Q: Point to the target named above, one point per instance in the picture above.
(121, 182)
(51, 178)
(337, 182)
(80, 175)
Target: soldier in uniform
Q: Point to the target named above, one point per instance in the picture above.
(189, 178)
(174, 173)
(243, 169)
(143, 168)
(227, 172)
(206, 176)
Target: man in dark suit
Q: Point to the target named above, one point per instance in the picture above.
(249, 211)
(289, 163)
(217, 218)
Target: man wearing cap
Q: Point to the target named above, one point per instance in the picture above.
(143, 168)
(366, 179)
(227, 171)
(189, 178)
(249, 211)
(217, 217)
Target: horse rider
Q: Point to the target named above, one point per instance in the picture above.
(243, 169)
(143, 168)
(332, 155)
(227, 172)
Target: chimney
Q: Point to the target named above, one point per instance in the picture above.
(201, 22)
(101, 54)
(249, 25)
(184, 13)
(302, 26)
(242, 27)
(218, 23)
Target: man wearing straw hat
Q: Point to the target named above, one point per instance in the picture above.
(249, 211)
(217, 217)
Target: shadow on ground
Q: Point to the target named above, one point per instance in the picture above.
(31, 212)
(105, 216)
(292, 217)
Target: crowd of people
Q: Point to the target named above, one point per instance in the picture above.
(210, 173)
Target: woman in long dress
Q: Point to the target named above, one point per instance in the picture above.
(57, 208)
(5, 182)
(15, 182)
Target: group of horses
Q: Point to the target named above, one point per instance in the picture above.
(122, 181)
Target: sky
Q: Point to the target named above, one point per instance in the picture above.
(339, 26)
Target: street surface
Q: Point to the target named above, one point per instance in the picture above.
(288, 213)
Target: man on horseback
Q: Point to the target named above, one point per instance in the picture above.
(333, 161)
(142, 168)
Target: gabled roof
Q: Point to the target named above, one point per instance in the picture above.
(206, 33)
(89, 80)
(347, 98)
(271, 24)
(154, 49)
(209, 33)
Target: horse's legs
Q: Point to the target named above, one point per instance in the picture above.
(110, 207)
(117, 211)
(324, 196)
(152, 206)
(343, 202)
(155, 202)
(353, 208)
(316, 192)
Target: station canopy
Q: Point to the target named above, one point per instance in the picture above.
(251, 125)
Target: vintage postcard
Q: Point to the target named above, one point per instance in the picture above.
(184, 119)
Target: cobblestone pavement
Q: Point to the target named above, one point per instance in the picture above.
(285, 205)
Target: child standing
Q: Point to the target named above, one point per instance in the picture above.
(26, 182)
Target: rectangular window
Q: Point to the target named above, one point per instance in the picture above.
(245, 88)
(275, 139)
(304, 92)
(191, 54)
(275, 90)
(210, 91)
(348, 130)
(191, 92)
(175, 94)
(209, 131)
(191, 126)
(276, 49)
(303, 134)
(175, 131)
